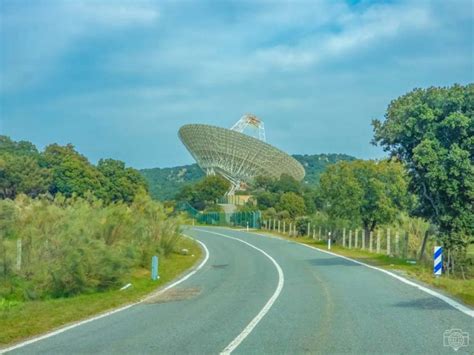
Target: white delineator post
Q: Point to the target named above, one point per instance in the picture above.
(371, 241)
(363, 239)
(284, 227)
(309, 228)
(319, 235)
(344, 237)
(350, 239)
(356, 237)
(438, 261)
(329, 241)
(278, 226)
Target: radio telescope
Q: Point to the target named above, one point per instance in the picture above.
(237, 156)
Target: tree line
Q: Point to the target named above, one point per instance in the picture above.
(61, 169)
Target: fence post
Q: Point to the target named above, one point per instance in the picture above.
(378, 242)
(344, 237)
(356, 237)
(371, 241)
(397, 244)
(405, 251)
(18, 254)
(363, 239)
(388, 242)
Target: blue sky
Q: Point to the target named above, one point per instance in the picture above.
(118, 78)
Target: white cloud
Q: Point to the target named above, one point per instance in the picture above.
(34, 38)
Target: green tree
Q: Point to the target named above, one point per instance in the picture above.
(121, 184)
(266, 199)
(366, 192)
(293, 203)
(286, 183)
(22, 174)
(204, 193)
(72, 173)
(7, 145)
(432, 132)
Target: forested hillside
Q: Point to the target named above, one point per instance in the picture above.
(165, 183)
(316, 164)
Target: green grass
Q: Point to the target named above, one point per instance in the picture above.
(456, 287)
(20, 320)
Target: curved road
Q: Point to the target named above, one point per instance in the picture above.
(258, 295)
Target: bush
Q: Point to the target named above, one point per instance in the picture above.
(78, 245)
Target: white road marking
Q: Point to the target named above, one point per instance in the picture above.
(106, 314)
(253, 323)
(448, 300)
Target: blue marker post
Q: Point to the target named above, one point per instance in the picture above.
(154, 268)
(438, 261)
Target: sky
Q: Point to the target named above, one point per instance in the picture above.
(118, 78)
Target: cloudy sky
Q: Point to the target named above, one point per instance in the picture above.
(118, 78)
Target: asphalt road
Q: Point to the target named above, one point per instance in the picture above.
(261, 295)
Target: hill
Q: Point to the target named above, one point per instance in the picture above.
(165, 183)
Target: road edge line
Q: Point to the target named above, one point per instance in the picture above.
(254, 322)
(109, 313)
(453, 303)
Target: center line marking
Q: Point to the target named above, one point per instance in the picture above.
(253, 323)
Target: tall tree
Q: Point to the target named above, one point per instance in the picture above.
(293, 203)
(22, 174)
(366, 192)
(121, 183)
(72, 172)
(432, 132)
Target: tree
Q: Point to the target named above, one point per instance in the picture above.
(432, 132)
(72, 172)
(212, 188)
(266, 199)
(366, 192)
(7, 145)
(293, 203)
(204, 193)
(121, 183)
(286, 183)
(22, 174)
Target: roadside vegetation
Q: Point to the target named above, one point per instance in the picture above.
(73, 233)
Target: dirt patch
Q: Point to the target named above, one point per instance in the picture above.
(174, 295)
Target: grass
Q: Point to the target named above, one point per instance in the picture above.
(461, 289)
(20, 320)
